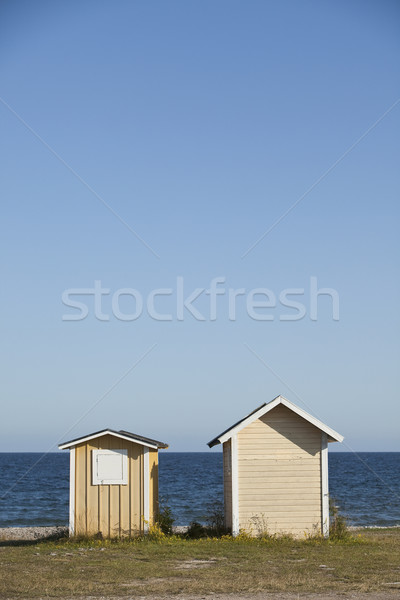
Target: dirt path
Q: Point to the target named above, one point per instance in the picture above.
(386, 595)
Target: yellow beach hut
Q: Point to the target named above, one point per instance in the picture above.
(113, 483)
(275, 466)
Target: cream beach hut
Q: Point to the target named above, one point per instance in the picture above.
(275, 464)
(113, 483)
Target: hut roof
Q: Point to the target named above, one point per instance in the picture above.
(125, 435)
(333, 436)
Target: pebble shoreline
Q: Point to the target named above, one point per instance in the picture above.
(32, 533)
(58, 531)
(41, 533)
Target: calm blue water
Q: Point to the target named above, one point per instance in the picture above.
(367, 492)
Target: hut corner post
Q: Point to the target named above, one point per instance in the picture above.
(72, 491)
(235, 485)
(146, 490)
(324, 485)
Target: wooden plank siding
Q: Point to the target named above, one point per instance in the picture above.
(113, 510)
(227, 471)
(279, 473)
(153, 470)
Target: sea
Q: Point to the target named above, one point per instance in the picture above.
(34, 488)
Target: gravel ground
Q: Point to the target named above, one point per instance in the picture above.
(31, 533)
(36, 533)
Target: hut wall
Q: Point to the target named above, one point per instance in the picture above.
(112, 510)
(227, 471)
(153, 470)
(279, 474)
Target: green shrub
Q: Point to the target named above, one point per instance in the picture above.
(338, 529)
(196, 530)
(164, 518)
(215, 519)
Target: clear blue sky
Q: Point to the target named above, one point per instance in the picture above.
(199, 124)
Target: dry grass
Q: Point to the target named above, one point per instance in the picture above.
(366, 562)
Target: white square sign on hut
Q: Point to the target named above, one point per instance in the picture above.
(110, 467)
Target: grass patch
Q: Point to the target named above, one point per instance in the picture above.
(163, 565)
